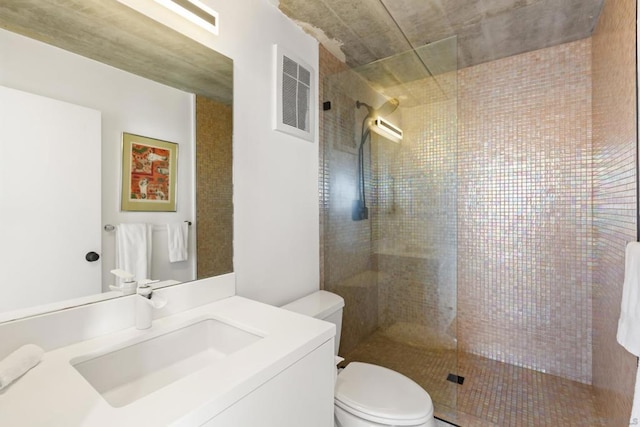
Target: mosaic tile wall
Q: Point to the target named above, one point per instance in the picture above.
(329, 65)
(524, 210)
(614, 147)
(397, 269)
(346, 244)
(532, 289)
(414, 219)
(214, 187)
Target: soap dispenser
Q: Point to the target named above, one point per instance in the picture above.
(146, 302)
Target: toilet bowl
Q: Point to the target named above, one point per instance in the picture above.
(367, 395)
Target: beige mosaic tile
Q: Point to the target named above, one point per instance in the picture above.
(493, 393)
(546, 200)
(614, 148)
(214, 187)
(525, 251)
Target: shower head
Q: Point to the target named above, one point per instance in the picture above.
(384, 110)
(388, 107)
(365, 105)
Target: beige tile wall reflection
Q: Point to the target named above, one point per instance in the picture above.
(214, 187)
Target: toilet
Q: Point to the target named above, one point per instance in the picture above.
(367, 395)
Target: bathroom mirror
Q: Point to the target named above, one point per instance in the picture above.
(108, 35)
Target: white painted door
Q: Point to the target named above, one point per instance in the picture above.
(50, 183)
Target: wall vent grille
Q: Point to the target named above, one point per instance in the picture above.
(294, 93)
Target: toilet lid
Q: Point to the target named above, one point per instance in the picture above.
(381, 395)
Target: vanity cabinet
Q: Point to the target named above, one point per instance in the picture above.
(301, 395)
(282, 377)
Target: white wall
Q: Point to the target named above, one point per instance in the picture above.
(276, 213)
(128, 104)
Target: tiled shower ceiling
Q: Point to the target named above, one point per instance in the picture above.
(362, 31)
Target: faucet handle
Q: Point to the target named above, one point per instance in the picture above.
(144, 287)
(145, 290)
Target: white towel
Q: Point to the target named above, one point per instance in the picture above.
(178, 237)
(18, 363)
(629, 323)
(133, 244)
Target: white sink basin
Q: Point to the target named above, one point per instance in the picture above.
(125, 375)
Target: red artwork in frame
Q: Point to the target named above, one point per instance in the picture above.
(149, 174)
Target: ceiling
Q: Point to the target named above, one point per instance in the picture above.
(356, 31)
(362, 31)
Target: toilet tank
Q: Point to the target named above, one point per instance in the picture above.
(322, 305)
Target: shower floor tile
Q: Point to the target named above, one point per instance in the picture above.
(493, 393)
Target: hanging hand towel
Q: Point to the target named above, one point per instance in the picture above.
(629, 323)
(178, 237)
(133, 244)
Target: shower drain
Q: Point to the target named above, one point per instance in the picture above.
(455, 379)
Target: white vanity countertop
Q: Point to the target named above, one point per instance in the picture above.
(55, 394)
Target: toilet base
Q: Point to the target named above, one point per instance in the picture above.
(345, 419)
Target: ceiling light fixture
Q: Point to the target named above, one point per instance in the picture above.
(195, 11)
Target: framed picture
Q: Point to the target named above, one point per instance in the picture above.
(149, 173)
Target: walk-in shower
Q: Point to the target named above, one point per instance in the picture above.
(464, 237)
